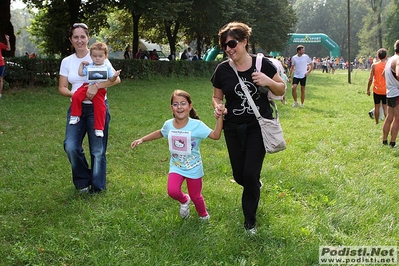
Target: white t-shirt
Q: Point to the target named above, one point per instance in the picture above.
(301, 65)
(392, 83)
(69, 68)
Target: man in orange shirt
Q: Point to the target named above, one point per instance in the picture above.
(379, 88)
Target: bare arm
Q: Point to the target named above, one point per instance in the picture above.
(63, 87)
(152, 136)
(291, 71)
(310, 69)
(93, 88)
(217, 132)
(8, 43)
(116, 74)
(276, 84)
(397, 67)
(370, 79)
(81, 66)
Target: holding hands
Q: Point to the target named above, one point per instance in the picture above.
(220, 110)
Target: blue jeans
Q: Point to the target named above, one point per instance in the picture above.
(82, 175)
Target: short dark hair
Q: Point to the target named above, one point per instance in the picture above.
(299, 47)
(236, 30)
(382, 53)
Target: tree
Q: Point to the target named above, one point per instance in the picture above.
(371, 36)
(21, 20)
(205, 19)
(272, 21)
(329, 17)
(200, 20)
(58, 43)
(6, 26)
(164, 23)
(171, 17)
(376, 6)
(392, 22)
(118, 34)
(52, 23)
(136, 8)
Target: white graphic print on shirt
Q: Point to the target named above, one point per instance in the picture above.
(180, 142)
(246, 107)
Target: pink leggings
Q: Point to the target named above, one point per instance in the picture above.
(194, 187)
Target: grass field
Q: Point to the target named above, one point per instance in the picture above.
(335, 184)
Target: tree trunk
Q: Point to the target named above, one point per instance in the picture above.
(172, 36)
(379, 33)
(6, 27)
(199, 45)
(135, 43)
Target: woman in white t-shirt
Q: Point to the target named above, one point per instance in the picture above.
(87, 179)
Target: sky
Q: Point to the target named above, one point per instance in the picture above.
(17, 4)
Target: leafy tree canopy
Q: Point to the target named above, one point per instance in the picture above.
(122, 22)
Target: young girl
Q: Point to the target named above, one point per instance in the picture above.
(184, 133)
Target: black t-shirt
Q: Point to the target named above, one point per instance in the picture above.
(239, 110)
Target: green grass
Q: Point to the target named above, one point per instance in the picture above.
(335, 184)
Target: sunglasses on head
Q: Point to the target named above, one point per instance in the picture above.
(231, 44)
(81, 25)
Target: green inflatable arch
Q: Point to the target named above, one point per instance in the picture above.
(311, 38)
(211, 54)
(296, 38)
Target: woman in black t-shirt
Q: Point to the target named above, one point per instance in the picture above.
(241, 129)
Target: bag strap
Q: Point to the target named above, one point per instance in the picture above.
(258, 63)
(246, 91)
(248, 95)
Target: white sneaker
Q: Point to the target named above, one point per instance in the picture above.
(302, 105)
(0, 95)
(205, 218)
(85, 190)
(251, 231)
(295, 104)
(99, 133)
(185, 208)
(371, 114)
(74, 120)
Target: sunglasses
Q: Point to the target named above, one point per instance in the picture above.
(231, 44)
(81, 25)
